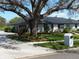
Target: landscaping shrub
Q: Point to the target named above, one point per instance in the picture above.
(8, 29)
(66, 30)
(2, 27)
(13, 30)
(46, 27)
(23, 37)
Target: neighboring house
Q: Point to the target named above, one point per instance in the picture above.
(51, 24)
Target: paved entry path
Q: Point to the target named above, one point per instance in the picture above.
(59, 56)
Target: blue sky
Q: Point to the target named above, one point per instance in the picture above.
(65, 14)
(8, 15)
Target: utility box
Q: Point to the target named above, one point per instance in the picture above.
(68, 39)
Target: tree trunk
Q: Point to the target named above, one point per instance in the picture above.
(33, 26)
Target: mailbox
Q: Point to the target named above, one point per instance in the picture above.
(68, 39)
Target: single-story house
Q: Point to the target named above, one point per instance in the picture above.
(51, 24)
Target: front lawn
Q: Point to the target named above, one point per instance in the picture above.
(2, 27)
(52, 36)
(57, 45)
(55, 36)
(76, 36)
(43, 37)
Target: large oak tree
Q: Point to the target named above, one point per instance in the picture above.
(35, 9)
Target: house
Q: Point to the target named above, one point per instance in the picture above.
(56, 23)
(51, 24)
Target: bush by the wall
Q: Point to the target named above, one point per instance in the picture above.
(66, 30)
(8, 29)
(13, 30)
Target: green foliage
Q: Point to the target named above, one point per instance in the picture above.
(75, 36)
(15, 20)
(46, 27)
(53, 45)
(76, 44)
(77, 29)
(23, 37)
(8, 29)
(13, 30)
(52, 36)
(56, 45)
(2, 27)
(66, 30)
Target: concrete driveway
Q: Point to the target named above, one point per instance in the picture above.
(10, 49)
(21, 49)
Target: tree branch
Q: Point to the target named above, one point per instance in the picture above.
(19, 5)
(56, 8)
(18, 13)
(33, 4)
(38, 5)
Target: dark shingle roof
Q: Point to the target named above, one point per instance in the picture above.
(56, 20)
(53, 20)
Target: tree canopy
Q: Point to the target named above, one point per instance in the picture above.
(34, 7)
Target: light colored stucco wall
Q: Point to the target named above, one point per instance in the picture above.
(50, 28)
(78, 26)
(55, 27)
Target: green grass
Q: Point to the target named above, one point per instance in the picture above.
(52, 37)
(75, 36)
(57, 45)
(55, 36)
(53, 45)
(2, 27)
(76, 44)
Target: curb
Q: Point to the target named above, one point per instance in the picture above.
(70, 50)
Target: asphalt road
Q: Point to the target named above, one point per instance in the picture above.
(59, 56)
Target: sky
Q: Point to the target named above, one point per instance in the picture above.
(8, 15)
(65, 14)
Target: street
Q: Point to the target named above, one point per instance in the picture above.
(60, 56)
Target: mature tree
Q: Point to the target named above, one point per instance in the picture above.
(34, 9)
